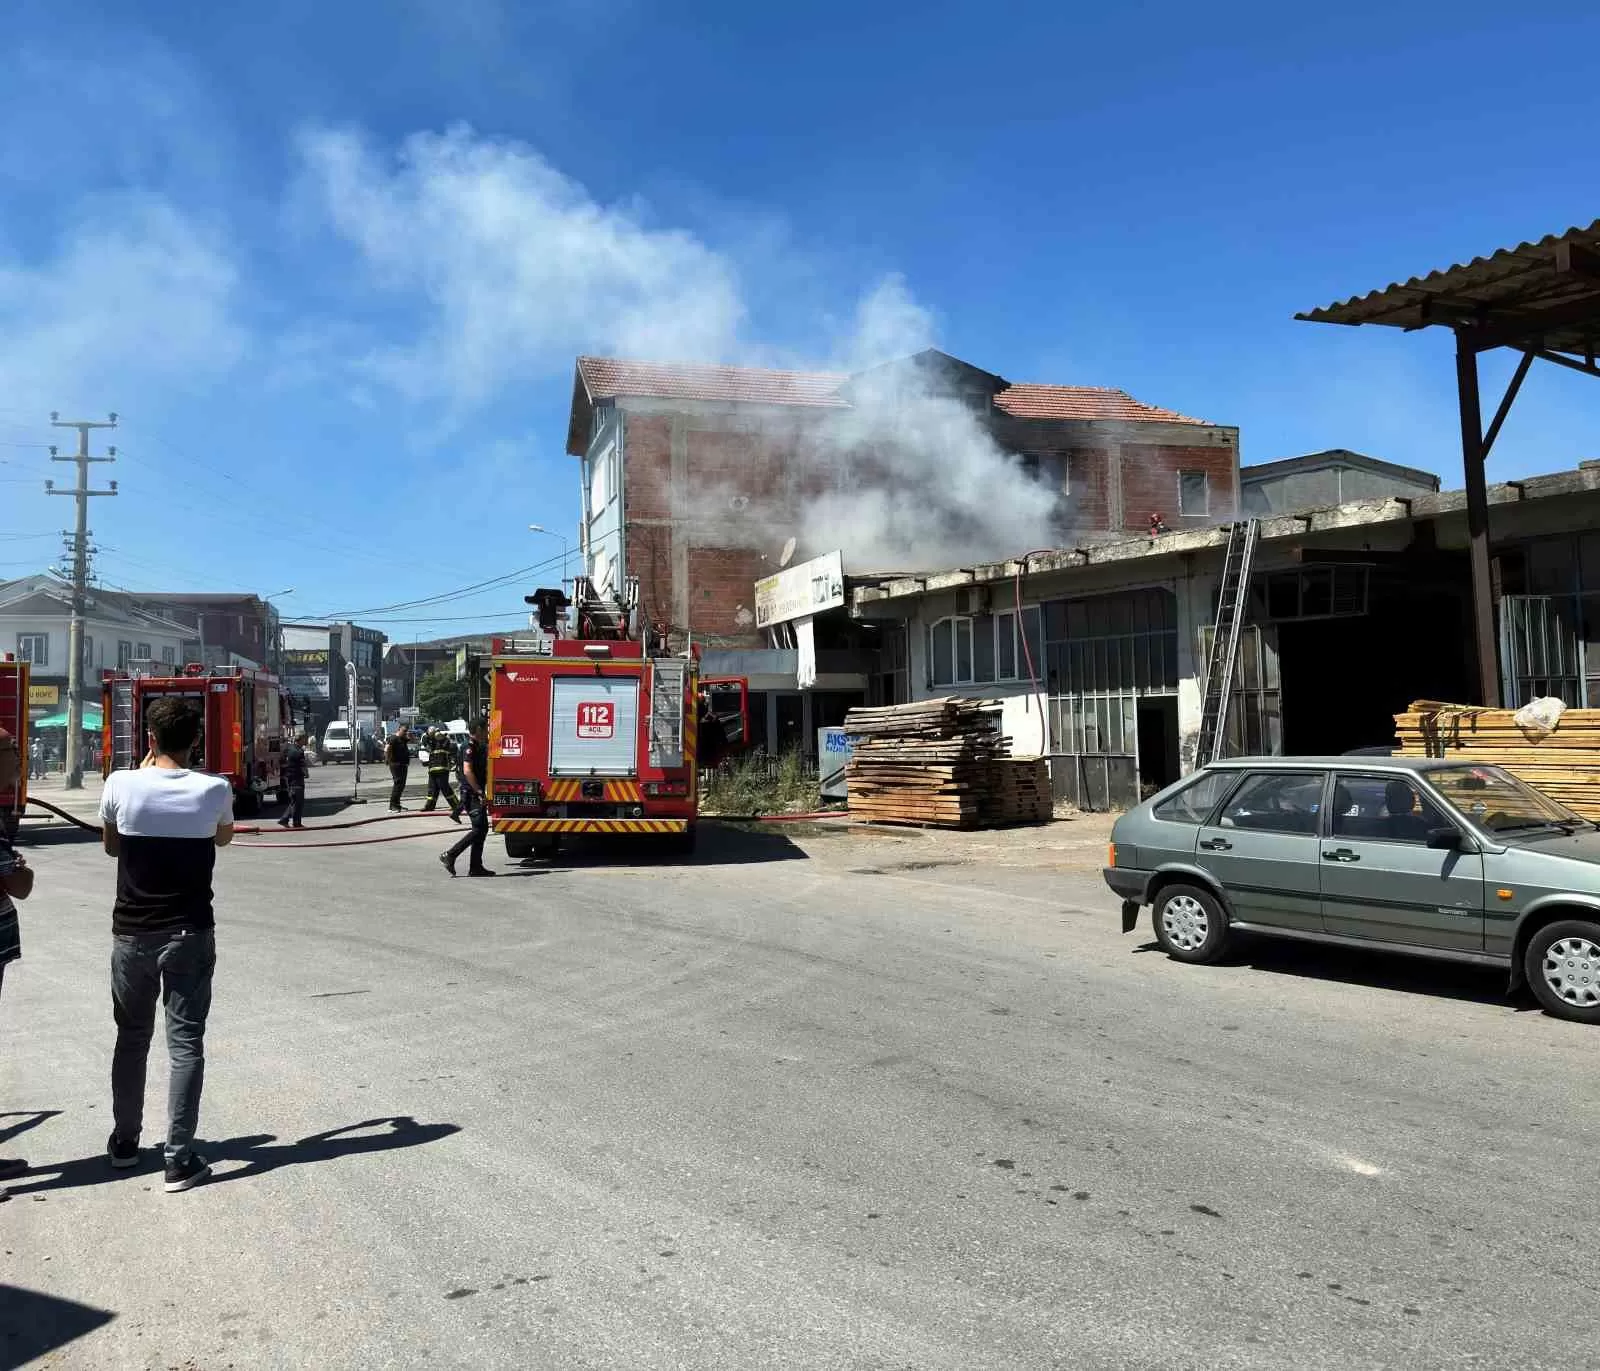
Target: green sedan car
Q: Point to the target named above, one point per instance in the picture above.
(1436, 858)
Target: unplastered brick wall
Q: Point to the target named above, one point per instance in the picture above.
(1114, 476)
(707, 495)
(1153, 475)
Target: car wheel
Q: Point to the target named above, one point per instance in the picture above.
(519, 846)
(1562, 965)
(1190, 923)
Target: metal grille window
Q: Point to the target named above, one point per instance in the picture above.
(1314, 592)
(1550, 637)
(34, 647)
(169, 656)
(1255, 708)
(124, 654)
(1101, 655)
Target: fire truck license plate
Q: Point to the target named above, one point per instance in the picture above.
(597, 719)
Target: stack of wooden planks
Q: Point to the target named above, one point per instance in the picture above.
(1020, 791)
(1564, 764)
(940, 762)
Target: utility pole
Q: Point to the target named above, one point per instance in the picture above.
(80, 580)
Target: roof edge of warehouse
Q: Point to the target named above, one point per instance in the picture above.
(1337, 456)
(1355, 514)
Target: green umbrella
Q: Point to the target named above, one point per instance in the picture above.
(91, 719)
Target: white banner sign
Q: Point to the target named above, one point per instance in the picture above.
(796, 591)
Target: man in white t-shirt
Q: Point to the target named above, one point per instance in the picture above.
(163, 823)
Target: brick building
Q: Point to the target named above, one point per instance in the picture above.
(693, 475)
(691, 471)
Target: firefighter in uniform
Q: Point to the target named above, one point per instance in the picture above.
(397, 752)
(474, 775)
(441, 762)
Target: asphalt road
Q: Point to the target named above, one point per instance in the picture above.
(831, 1101)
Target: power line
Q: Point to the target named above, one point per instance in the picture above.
(465, 591)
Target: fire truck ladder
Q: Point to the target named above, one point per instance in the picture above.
(602, 616)
(666, 712)
(123, 742)
(1233, 598)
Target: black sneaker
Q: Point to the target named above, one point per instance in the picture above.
(479, 871)
(283, 823)
(187, 1174)
(448, 862)
(122, 1152)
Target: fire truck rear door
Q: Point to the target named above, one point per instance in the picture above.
(594, 725)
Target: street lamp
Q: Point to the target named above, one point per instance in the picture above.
(540, 528)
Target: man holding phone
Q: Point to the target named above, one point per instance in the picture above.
(163, 823)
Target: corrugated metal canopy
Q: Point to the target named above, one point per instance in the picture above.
(1543, 296)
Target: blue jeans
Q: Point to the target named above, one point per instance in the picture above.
(174, 966)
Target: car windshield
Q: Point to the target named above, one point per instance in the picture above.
(1495, 800)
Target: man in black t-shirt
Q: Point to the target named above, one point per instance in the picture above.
(474, 782)
(163, 823)
(397, 752)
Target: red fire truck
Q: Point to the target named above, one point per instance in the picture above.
(14, 719)
(597, 733)
(245, 720)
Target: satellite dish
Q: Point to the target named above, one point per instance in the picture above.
(787, 553)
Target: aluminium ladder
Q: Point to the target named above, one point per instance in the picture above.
(1233, 598)
(666, 711)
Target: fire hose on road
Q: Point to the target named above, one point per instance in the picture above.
(267, 830)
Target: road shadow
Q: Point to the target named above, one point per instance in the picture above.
(53, 832)
(33, 1324)
(1376, 968)
(717, 843)
(259, 1153)
(30, 1118)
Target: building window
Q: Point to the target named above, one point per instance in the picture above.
(984, 649)
(1194, 494)
(143, 652)
(124, 653)
(169, 656)
(34, 647)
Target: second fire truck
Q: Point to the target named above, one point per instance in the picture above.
(245, 721)
(597, 733)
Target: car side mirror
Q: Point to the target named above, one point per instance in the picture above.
(1448, 838)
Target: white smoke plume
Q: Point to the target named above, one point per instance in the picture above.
(522, 268)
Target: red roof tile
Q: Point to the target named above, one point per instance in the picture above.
(1027, 401)
(607, 376)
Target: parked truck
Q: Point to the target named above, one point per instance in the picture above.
(245, 719)
(14, 719)
(595, 733)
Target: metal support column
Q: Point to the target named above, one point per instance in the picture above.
(1472, 460)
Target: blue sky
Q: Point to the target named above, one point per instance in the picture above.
(332, 264)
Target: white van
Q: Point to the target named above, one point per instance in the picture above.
(336, 744)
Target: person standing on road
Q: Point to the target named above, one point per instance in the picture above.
(16, 883)
(441, 762)
(294, 781)
(163, 823)
(397, 752)
(474, 779)
(36, 760)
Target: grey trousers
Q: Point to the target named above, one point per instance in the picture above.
(175, 967)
